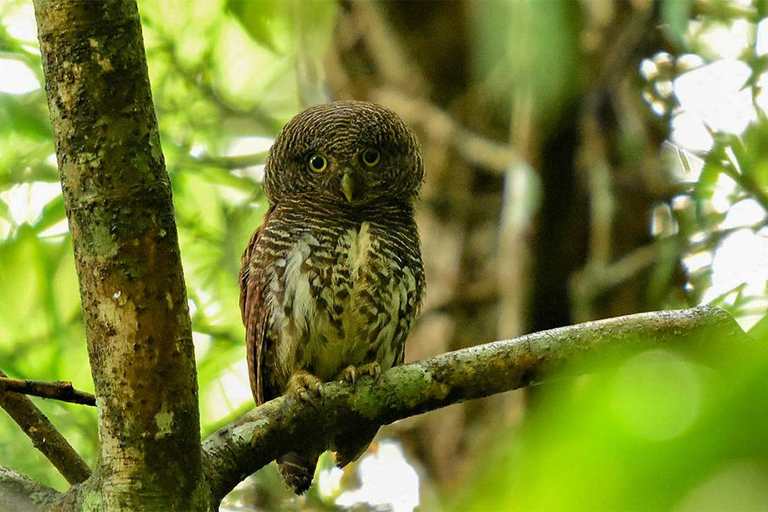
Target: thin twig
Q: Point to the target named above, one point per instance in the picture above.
(58, 390)
(596, 278)
(44, 436)
(391, 60)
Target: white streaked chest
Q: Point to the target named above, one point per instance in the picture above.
(340, 301)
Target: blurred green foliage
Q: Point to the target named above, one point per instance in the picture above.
(657, 431)
(527, 48)
(661, 430)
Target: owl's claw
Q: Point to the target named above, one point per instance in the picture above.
(306, 387)
(351, 372)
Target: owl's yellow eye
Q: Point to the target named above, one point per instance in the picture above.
(371, 157)
(317, 162)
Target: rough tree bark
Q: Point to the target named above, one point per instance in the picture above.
(118, 200)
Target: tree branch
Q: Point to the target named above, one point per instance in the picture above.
(44, 437)
(117, 195)
(21, 494)
(233, 162)
(283, 424)
(59, 390)
(437, 124)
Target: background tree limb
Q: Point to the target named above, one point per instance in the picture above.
(44, 437)
(58, 390)
(252, 441)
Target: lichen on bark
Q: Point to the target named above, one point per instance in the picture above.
(118, 201)
(285, 423)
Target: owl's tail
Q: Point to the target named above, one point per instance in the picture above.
(297, 470)
(351, 445)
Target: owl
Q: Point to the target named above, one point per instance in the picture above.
(332, 281)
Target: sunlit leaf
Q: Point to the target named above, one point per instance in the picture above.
(279, 25)
(676, 14)
(53, 213)
(529, 47)
(25, 115)
(21, 317)
(705, 186)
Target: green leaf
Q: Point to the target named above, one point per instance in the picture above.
(676, 14)
(281, 25)
(21, 271)
(258, 19)
(529, 47)
(25, 115)
(704, 188)
(52, 214)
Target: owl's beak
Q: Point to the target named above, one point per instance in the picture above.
(349, 185)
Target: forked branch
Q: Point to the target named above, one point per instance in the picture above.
(44, 436)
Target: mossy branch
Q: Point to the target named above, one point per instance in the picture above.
(245, 445)
(22, 494)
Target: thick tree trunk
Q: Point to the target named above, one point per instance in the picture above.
(118, 201)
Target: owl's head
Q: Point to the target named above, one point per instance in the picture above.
(348, 153)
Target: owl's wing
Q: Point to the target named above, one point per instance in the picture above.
(254, 313)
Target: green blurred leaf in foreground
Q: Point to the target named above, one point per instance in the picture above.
(659, 430)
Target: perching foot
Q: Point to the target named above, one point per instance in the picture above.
(305, 387)
(351, 373)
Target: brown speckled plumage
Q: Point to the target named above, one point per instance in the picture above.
(334, 276)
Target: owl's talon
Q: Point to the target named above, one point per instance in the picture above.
(306, 387)
(348, 374)
(351, 372)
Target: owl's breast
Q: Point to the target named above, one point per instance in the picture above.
(343, 297)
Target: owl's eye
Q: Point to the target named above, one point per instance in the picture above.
(317, 162)
(371, 157)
